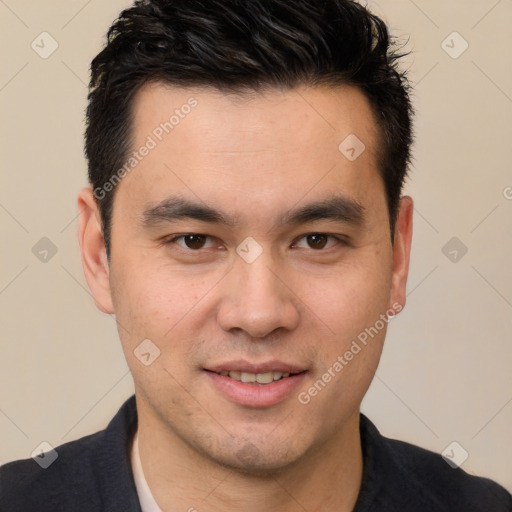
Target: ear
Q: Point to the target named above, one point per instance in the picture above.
(92, 248)
(401, 254)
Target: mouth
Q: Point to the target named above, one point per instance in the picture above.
(251, 385)
(264, 378)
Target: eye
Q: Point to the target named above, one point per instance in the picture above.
(192, 241)
(316, 241)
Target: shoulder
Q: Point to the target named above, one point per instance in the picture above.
(413, 478)
(449, 488)
(86, 474)
(24, 483)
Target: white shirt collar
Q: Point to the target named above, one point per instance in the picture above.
(147, 502)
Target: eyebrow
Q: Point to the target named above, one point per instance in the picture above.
(338, 209)
(177, 208)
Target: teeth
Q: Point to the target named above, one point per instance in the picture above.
(248, 377)
(265, 378)
(260, 378)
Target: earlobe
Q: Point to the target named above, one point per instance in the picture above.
(93, 252)
(401, 253)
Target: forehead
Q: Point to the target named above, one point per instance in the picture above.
(264, 146)
(302, 114)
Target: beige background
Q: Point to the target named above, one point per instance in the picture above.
(446, 370)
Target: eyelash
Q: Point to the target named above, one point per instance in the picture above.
(339, 239)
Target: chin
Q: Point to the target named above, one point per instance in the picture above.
(259, 467)
(248, 459)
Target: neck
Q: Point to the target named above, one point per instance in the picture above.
(327, 478)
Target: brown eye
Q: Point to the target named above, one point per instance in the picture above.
(195, 241)
(317, 241)
(193, 244)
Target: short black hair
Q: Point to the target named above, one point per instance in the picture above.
(241, 45)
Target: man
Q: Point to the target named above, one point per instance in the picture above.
(245, 225)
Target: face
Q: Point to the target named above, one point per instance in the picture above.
(246, 244)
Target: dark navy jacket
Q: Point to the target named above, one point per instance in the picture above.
(94, 474)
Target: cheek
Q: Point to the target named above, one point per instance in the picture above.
(153, 302)
(353, 305)
(146, 311)
(350, 300)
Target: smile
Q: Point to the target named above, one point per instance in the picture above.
(262, 389)
(254, 378)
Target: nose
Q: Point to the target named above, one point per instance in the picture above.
(257, 300)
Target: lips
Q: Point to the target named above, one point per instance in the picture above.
(256, 385)
(247, 367)
(255, 378)
(263, 373)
